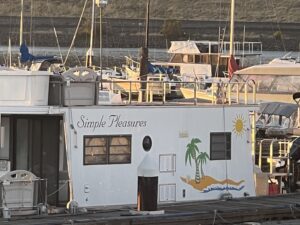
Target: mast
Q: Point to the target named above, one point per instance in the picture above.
(231, 50)
(90, 51)
(147, 25)
(21, 22)
(101, 4)
(144, 55)
(232, 65)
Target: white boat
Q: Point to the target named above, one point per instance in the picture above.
(68, 150)
(206, 59)
(95, 155)
(199, 60)
(271, 82)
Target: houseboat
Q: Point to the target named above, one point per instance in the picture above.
(61, 147)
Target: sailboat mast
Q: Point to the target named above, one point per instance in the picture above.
(21, 22)
(92, 35)
(232, 64)
(144, 55)
(147, 25)
(231, 50)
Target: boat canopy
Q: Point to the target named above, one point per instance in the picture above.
(271, 69)
(193, 47)
(278, 108)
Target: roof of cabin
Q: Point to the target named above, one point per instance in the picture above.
(272, 69)
(278, 108)
(189, 47)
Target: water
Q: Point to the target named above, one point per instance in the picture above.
(116, 56)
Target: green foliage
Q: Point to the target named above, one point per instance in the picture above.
(192, 150)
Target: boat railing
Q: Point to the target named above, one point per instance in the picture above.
(151, 91)
(270, 153)
(244, 48)
(132, 63)
(214, 92)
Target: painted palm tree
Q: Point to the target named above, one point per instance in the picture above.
(201, 159)
(191, 153)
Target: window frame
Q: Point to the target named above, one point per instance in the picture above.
(228, 148)
(107, 145)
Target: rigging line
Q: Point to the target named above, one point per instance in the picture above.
(58, 45)
(74, 37)
(55, 33)
(272, 27)
(278, 26)
(220, 14)
(30, 28)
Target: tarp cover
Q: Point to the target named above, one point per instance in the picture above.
(272, 69)
(278, 108)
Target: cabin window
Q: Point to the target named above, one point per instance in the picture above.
(101, 150)
(220, 146)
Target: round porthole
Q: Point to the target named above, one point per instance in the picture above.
(147, 143)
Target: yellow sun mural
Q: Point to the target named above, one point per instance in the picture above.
(239, 125)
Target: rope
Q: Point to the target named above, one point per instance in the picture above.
(215, 215)
(292, 211)
(53, 193)
(278, 26)
(76, 31)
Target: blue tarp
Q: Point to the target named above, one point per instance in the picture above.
(26, 56)
(160, 69)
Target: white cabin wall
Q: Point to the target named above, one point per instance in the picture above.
(171, 129)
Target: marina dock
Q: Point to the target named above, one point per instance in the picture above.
(231, 211)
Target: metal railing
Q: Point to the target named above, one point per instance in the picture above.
(134, 91)
(283, 153)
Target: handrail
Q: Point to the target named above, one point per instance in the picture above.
(284, 154)
(216, 92)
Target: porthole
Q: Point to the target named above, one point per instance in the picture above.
(147, 143)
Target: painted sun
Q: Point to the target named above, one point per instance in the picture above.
(239, 125)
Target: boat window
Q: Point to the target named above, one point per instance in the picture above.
(203, 48)
(101, 150)
(177, 58)
(220, 146)
(188, 59)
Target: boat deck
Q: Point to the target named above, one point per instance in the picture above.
(232, 211)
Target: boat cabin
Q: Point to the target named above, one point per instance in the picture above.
(202, 59)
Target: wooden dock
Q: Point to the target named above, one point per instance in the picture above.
(232, 211)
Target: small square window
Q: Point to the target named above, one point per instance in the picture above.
(220, 146)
